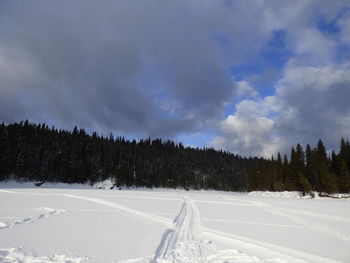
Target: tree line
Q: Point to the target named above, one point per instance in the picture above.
(36, 152)
(306, 171)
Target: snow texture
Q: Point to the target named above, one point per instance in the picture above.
(61, 223)
(16, 255)
(182, 243)
(45, 212)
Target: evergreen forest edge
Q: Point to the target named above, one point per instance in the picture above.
(35, 152)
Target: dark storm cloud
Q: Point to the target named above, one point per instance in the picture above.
(160, 68)
(149, 67)
(323, 109)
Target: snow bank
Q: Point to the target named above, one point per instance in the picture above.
(332, 196)
(15, 184)
(285, 194)
(109, 183)
(295, 194)
(106, 184)
(16, 255)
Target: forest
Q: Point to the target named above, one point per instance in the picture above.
(39, 153)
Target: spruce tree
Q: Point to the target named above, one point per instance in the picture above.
(326, 181)
(343, 178)
(310, 170)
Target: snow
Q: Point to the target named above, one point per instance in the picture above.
(106, 184)
(284, 194)
(44, 212)
(181, 242)
(79, 223)
(294, 194)
(16, 255)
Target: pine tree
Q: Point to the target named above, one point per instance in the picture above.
(36, 152)
(343, 178)
(5, 153)
(311, 167)
(291, 178)
(325, 179)
(279, 173)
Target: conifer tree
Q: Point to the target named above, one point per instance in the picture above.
(325, 179)
(279, 173)
(343, 178)
(39, 153)
(310, 169)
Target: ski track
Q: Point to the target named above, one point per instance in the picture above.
(279, 253)
(144, 197)
(7, 192)
(254, 223)
(151, 218)
(312, 226)
(265, 249)
(313, 214)
(296, 211)
(45, 213)
(183, 241)
(287, 213)
(27, 193)
(224, 203)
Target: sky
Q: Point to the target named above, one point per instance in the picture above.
(250, 77)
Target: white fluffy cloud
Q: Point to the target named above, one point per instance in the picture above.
(311, 99)
(312, 46)
(310, 103)
(248, 131)
(244, 89)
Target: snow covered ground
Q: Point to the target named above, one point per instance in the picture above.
(60, 223)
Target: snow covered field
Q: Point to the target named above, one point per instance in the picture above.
(67, 224)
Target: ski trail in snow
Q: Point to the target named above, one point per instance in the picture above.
(317, 227)
(143, 197)
(7, 192)
(311, 225)
(45, 213)
(254, 223)
(191, 227)
(271, 252)
(225, 203)
(182, 243)
(151, 218)
(295, 211)
(314, 214)
(28, 193)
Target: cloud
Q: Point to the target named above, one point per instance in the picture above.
(344, 23)
(248, 131)
(113, 65)
(163, 68)
(244, 89)
(314, 104)
(312, 46)
(310, 103)
(150, 68)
